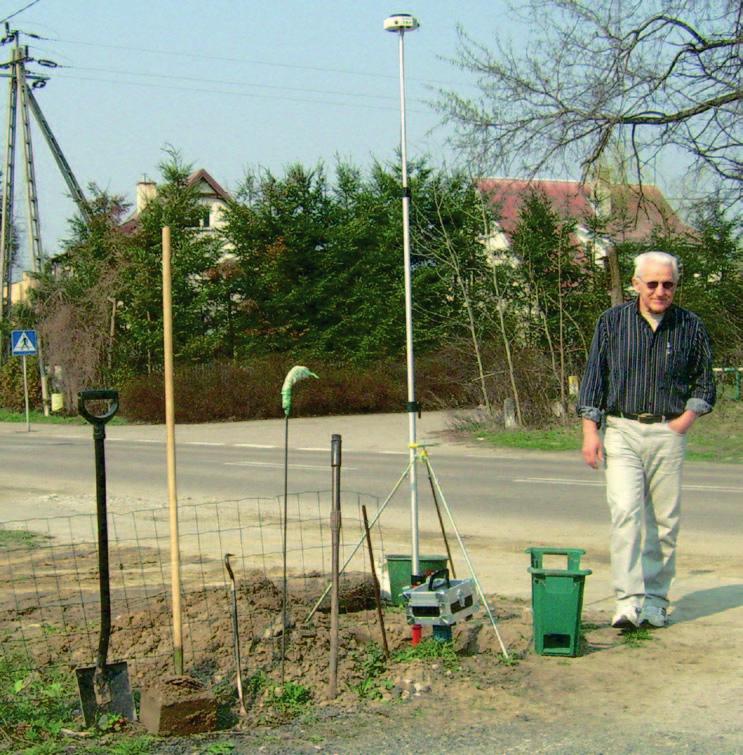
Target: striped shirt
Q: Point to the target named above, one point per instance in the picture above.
(633, 370)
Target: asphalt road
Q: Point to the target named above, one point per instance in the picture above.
(476, 483)
(501, 501)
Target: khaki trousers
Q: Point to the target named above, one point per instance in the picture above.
(643, 490)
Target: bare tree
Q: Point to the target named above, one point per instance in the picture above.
(654, 74)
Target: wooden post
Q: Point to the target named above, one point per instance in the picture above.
(335, 527)
(377, 591)
(509, 414)
(175, 559)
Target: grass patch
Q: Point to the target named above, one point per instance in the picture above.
(38, 418)
(291, 699)
(717, 437)
(14, 539)
(372, 666)
(430, 649)
(36, 704)
(545, 439)
(636, 638)
(39, 715)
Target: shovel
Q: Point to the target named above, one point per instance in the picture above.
(104, 688)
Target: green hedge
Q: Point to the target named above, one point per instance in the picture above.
(224, 391)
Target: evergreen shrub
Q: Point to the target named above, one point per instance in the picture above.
(11, 384)
(225, 391)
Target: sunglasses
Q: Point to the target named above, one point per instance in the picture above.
(667, 285)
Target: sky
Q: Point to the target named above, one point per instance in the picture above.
(233, 86)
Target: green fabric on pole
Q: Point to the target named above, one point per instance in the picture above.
(294, 375)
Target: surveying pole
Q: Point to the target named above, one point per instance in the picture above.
(399, 24)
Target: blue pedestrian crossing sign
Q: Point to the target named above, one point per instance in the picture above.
(23, 343)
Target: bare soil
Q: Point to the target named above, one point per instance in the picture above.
(678, 690)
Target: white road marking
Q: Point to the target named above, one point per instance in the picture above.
(202, 443)
(252, 445)
(274, 465)
(314, 449)
(597, 484)
(559, 481)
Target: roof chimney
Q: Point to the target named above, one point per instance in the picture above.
(146, 192)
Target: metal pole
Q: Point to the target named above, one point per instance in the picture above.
(335, 528)
(25, 394)
(349, 558)
(34, 224)
(64, 167)
(412, 405)
(175, 557)
(6, 224)
(285, 517)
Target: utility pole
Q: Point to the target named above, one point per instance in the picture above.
(20, 86)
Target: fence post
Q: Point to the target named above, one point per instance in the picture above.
(509, 414)
(335, 527)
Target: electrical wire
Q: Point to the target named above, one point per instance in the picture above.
(227, 82)
(252, 61)
(16, 13)
(232, 93)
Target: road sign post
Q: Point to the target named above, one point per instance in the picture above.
(24, 343)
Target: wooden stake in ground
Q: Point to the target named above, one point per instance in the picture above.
(335, 528)
(377, 591)
(175, 558)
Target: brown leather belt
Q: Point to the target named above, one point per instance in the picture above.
(645, 418)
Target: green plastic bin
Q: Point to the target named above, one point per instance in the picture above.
(557, 601)
(399, 570)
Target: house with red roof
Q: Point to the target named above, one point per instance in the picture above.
(210, 195)
(629, 212)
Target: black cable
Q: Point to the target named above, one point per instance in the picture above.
(25, 7)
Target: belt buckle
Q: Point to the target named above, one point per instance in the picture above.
(645, 418)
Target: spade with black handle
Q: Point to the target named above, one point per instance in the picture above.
(104, 688)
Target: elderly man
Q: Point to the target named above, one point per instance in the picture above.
(649, 377)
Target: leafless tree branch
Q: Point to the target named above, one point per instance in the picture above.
(662, 75)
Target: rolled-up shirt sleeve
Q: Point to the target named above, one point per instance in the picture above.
(592, 396)
(703, 392)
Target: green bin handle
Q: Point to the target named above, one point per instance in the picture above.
(573, 555)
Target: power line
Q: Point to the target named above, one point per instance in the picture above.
(231, 93)
(25, 7)
(252, 61)
(227, 82)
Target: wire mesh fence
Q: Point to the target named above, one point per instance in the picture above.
(50, 599)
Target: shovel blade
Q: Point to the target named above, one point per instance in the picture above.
(105, 690)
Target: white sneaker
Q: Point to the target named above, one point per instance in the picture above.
(626, 617)
(655, 616)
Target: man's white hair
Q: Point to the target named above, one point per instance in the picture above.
(661, 258)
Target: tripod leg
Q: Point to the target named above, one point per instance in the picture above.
(427, 462)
